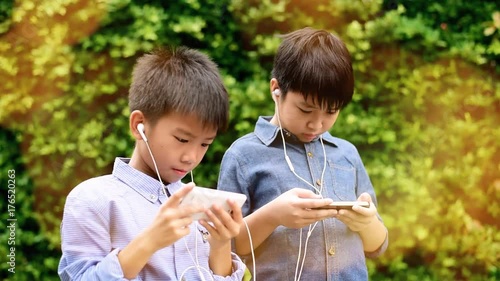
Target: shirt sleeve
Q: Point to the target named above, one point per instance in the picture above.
(232, 177)
(86, 246)
(364, 185)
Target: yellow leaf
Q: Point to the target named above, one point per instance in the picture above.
(496, 19)
(490, 30)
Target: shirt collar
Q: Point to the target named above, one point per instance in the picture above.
(150, 188)
(268, 132)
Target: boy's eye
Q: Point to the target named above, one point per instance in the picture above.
(181, 140)
(305, 111)
(333, 111)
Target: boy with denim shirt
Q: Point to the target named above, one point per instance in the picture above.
(290, 167)
(130, 225)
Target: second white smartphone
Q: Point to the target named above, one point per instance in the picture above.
(345, 205)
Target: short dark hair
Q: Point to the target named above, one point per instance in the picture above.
(317, 63)
(179, 80)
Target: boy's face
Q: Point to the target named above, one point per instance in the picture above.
(178, 143)
(304, 118)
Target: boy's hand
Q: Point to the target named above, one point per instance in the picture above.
(172, 221)
(359, 217)
(295, 208)
(223, 226)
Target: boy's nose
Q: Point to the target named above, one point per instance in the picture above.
(189, 157)
(316, 124)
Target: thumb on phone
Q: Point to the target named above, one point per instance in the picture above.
(365, 197)
(304, 193)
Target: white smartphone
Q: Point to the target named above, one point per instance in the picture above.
(207, 197)
(345, 205)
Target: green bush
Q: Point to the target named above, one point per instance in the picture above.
(32, 257)
(424, 115)
(460, 27)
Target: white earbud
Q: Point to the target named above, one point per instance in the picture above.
(140, 128)
(277, 92)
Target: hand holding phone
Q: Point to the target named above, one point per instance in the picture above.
(206, 197)
(346, 205)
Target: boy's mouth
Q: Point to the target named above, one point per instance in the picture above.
(309, 136)
(180, 172)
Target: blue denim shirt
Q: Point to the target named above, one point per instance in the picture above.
(255, 166)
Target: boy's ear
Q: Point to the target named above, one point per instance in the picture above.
(275, 89)
(136, 118)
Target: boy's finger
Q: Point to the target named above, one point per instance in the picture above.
(308, 203)
(176, 198)
(305, 193)
(235, 211)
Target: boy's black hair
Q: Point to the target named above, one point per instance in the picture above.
(317, 63)
(179, 80)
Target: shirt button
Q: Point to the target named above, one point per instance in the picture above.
(331, 252)
(318, 182)
(152, 197)
(310, 154)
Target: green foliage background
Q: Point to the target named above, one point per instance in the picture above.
(425, 115)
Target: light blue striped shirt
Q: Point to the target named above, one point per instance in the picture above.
(102, 215)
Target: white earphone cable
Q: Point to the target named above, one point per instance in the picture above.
(290, 165)
(156, 168)
(313, 226)
(305, 249)
(196, 265)
(298, 273)
(195, 261)
(254, 274)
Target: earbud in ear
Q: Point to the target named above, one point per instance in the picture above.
(140, 128)
(277, 92)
